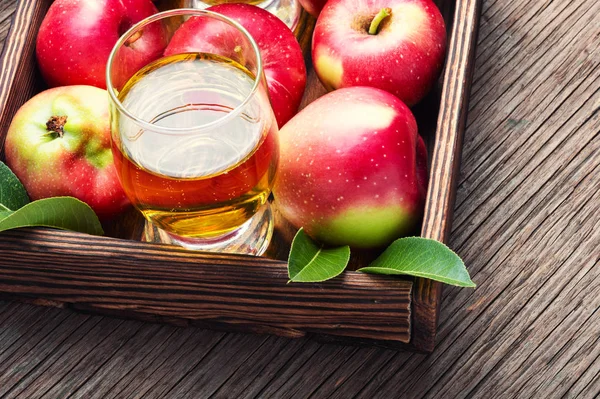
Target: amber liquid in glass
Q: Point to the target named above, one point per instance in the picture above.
(203, 183)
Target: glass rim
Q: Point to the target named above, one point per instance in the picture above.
(170, 13)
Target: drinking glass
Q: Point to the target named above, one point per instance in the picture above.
(194, 136)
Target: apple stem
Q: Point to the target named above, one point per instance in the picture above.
(383, 14)
(56, 125)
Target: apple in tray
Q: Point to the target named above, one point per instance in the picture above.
(58, 144)
(394, 45)
(353, 169)
(76, 37)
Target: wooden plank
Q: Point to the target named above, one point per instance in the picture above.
(100, 353)
(121, 364)
(64, 358)
(7, 9)
(20, 371)
(357, 371)
(496, 231)
(217, 366)
(16, 81)
(331, 357)
(246, 381)
(445, 162)
(24, 341)
(182, 287)
(164, 366)
(587, 383)
(523, 153)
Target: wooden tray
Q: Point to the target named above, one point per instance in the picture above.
(120, 276)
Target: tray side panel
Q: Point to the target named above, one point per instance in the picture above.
(17, 64)
(168, 284)
(446, 162)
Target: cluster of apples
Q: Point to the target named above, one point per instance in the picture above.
(353, 167)
(58, 143)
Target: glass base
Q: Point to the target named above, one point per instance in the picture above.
(251, 238)
(287, 10)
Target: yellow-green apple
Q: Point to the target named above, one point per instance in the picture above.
(394, 45)
(58, 144)
(77, 36)
(353, 169)
(283, 62)
(313, 7)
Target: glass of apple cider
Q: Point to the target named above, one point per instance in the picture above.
(193, 134)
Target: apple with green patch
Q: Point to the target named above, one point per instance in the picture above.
(394, 45)
(58, 144)
(353, 169)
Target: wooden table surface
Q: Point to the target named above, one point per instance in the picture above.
(527, 224)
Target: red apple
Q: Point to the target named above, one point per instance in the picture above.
(77, 36)
(313, 7)
(404, 56)
(58, 144)
(282, 57)
(352, 169)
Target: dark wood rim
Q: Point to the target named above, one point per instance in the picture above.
(445, 164)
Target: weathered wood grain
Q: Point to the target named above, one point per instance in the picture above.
(167, 364)
(527, 225)
(437, 219)
(16, 80)
(187, 288)
(7, 8)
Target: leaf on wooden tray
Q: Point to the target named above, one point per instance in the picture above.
(12, 193)
(66, 213)
(312, 263)
(421, 257)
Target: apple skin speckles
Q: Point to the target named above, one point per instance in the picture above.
(348, 190)
(76, 37)
(404, 58)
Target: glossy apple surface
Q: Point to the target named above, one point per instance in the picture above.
(404, 57)
(353, 169)
(283, 62)
(58, 144)
(77, 36)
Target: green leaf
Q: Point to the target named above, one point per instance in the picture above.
(311, 263)
(12, 193)
(421, 257)
(60, 212)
